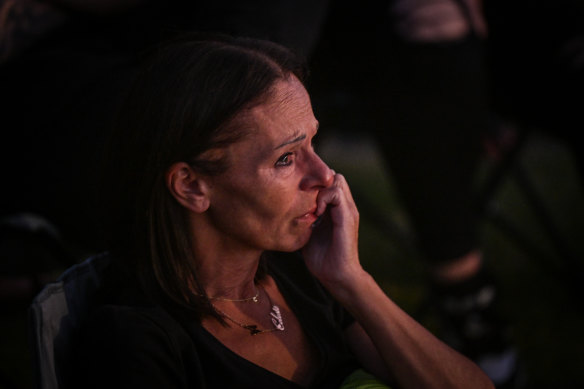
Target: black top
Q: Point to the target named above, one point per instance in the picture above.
(132, 344)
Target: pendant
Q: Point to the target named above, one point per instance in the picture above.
(277, 318)
(253, 329)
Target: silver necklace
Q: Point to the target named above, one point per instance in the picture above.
(253, 298)
(275, 316)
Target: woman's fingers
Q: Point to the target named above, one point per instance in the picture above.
(338, 200)
(338, 215)
(332, 251)
(334, 195)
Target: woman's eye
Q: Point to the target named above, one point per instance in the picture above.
(284, 160)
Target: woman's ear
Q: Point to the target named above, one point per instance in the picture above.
(189, 188)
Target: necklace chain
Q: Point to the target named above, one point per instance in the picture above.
(253, 298)
(275, 315)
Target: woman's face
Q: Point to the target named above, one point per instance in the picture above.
(267, 198)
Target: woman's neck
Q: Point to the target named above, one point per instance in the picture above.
(228, 280)
(226, 271)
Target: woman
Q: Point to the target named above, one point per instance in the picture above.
(236, 260)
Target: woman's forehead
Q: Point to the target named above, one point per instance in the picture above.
(284, 116)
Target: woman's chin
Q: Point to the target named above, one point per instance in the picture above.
(295, 243)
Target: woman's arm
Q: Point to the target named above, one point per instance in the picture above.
(395, 347)
(387, 341)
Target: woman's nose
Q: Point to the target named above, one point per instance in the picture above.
(318, 174)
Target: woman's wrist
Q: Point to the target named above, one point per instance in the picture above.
(351, 286)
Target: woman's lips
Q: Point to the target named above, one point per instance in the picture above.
(309, 217)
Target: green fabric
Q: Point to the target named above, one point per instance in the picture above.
(360, 379)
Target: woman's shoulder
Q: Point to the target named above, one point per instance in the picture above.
(114, 318)
(123, 319)
(133, 345)
(133, 329)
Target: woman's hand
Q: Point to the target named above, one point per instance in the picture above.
(332, 251)
(385, 339)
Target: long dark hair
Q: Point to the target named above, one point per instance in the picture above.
(184, 102)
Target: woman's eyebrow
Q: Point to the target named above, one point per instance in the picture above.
(297, 139)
